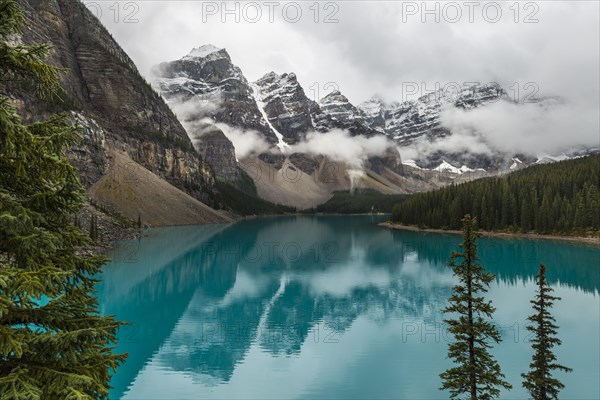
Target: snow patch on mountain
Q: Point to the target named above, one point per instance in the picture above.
(281, 144)
(550, 158)
(443, 167)
(516, 163)
(411, 163)
(447, 167)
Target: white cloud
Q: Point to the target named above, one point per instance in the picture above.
(371, 50)
(340, 146)
(196, 107)
(245, 142)
(528, 128)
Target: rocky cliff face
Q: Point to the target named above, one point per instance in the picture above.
(206, 84)
(109, 99)
(219, 152)
(346, 116)
(286, 106)
(292, 114)
(339, 108)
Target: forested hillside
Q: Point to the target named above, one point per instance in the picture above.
(562, 197)
(358, 202)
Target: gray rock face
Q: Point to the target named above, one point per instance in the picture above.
(344, 115)
(204, 64)
(391, 160)
(276, 160)
(286, 105)
(305, 163)
(104, 86)
(293, 114)
(339, 108)
(219, 152)
(90, 155)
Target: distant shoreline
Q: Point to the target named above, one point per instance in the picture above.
(577, 239)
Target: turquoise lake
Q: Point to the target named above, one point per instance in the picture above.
(310, 307)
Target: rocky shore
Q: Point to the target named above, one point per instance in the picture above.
(593, 240)
(110, 230)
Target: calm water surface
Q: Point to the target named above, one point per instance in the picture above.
(327, 307)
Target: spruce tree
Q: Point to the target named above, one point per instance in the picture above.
(539, 381)
(476, 374)
(94, 228)
(53, 342)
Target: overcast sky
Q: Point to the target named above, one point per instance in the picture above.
(384, 48)
(375, 47)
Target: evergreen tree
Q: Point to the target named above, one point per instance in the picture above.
(477, 374)
(539, 381)
(506, 217)
(53, 342)
(94, 228)
(579, 218)
(525, 216)
(484, 219)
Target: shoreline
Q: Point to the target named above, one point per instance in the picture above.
(595, 241)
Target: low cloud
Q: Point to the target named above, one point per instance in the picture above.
(196, 107)
(194, 114)
(340, 146)
(246, 142)
(549, 127)
(461, 142)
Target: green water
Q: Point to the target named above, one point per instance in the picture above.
(327, 307)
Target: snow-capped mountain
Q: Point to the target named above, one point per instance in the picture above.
(206, 84)
(374, 111)
(406, 121)
(275, 105)
(292, 114)
(344, 115)
(217, 88)
(339, 108)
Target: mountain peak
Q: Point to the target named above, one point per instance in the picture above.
(203, 51)
(269, 76)
(335, 95)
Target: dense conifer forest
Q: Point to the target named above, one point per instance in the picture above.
(557, 198)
